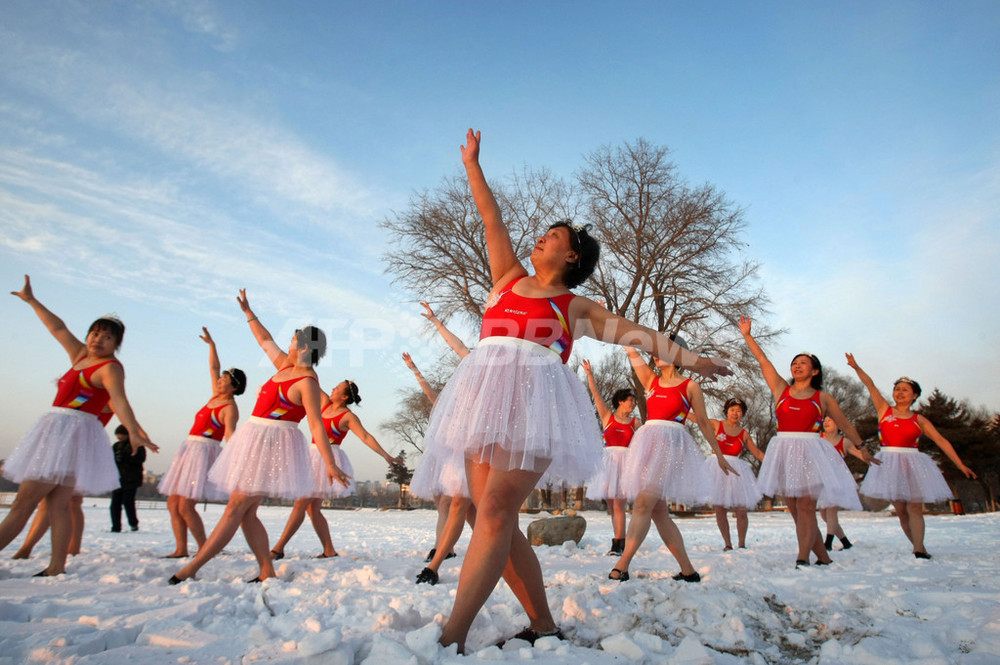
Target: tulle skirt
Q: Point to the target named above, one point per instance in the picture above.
(436, 476)
(607, 482)
(188, 472)
(265, 457)
(906, 474)
(801, 464)
(664, 460)
(730, 490)
(513, 404)
(66, 447)
(324, 489)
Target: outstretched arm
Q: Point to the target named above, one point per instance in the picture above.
(111, 377)
(602, 408)
(771, 376)
(261, 334)
(426, 387)
(354, 424)
(642, 371)
(453, 341)
(504, 265)
(309, 394)
(53, 323)
(945, 445)
(701, 417)
(214, 366)
(881, 406)
(752, 447)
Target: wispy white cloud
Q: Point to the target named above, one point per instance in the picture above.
(200, 17)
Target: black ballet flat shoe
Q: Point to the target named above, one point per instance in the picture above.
(693, 577)
(326, 556)
(801, 564)
(922, 555)
(174, 580)
(727, 548)
(133, 528)
(823, 563)
(427, 576)
(828, 543)
(449, 555)
(175, 556)
(276, 555)
(846, 543)
(622, 575)
(255, 580)
(430, 555)
(45, 573)
(531, 636)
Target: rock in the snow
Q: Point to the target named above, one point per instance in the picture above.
(557, 530)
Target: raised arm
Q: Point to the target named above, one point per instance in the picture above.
(214, 366)
(852, 440)
(452, 340)
(309, 394)
(642, 371)
(701, 417)
(261, 334)
(73, 346)
(881, 406)
(111, 377)
(945, 445)
(504, 265)
(354, 424)
(602, 407)
(426, 387)
(771, 376)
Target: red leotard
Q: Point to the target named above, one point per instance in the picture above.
(208, 424)
(839, 446)
(730, 445)
(668, 402)
(799, 415)
(77, 391)
(332, 427)
(896, 432)
(544, 321)
(273, 403)
(618, 435)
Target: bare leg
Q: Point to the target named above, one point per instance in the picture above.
(722, 520)
(178, 524)
(322, 527)
(189, 513)
(807, 529)
(294, 522)
(497, 548)
(39, 526)
(30, 493)
(443, 503)
(671, 536)
(903, 513)
(618, 517)
(78, 521)
(638, 527)
(452, 531)
(915, 511)
(742, 524)
(256, 535)
(223, 532)
(61, 527)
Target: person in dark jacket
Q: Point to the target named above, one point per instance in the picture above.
(130, 477)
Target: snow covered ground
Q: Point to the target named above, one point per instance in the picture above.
(876, 604)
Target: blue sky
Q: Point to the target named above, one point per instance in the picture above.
(155, 157)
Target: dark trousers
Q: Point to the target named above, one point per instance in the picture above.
(123, 498)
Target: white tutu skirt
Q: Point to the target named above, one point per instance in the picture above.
(801, 464)
(265, 458)
(906, 474)
(730, 490)
(437, 476)
(513, 404)
(607, 482)
(66, 447)
(324, 489)
(188, 472)
(664, 460)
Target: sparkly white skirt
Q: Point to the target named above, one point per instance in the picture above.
(188, 472)
(730, 490)
(323, 488)
(802, 464)
(435, 476)
(664, 460)
(513, 404)
(265, 457)
(906, 474)
(66, 447)
(607, 482)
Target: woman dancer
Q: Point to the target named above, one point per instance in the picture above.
(731, 491)
(338, 420)
(268, 456)
(908, 477)
(832, 434)
(186, 481)
(664, 463)
(799, 466)
(619, 427)
(67, 450)
(513, 410)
